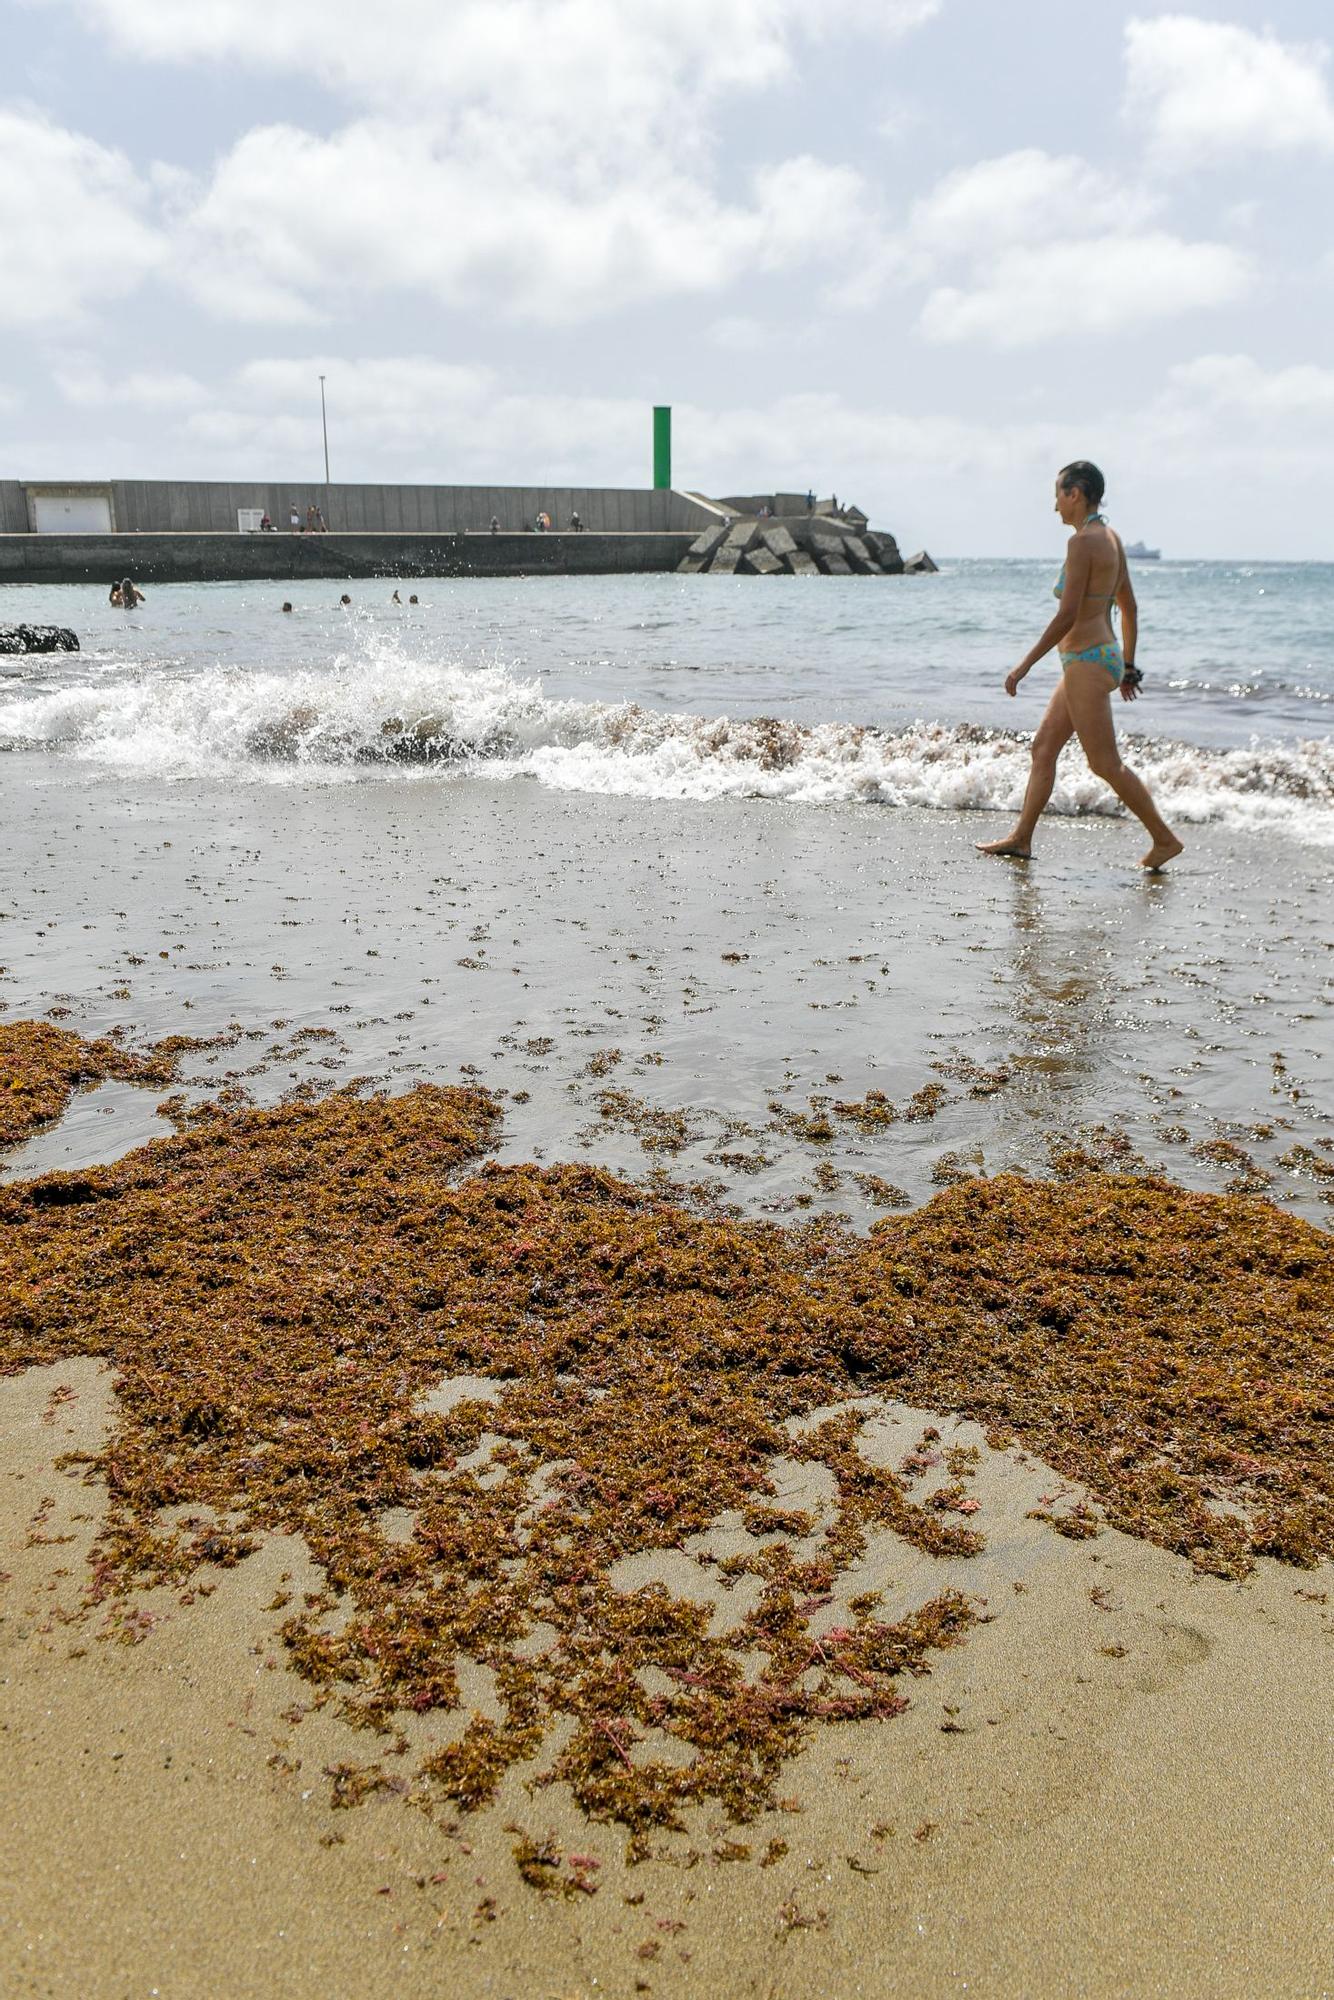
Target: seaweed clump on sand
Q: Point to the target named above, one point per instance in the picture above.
(316, 1321)
(281, 1291)
(41, 1067)
(1172, 1351)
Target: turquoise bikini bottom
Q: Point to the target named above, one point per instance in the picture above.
(1100, 656)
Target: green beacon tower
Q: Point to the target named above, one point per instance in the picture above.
(662, 447)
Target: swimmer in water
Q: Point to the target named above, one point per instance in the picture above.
(125, 594)
(345, 599)
(1093, 666)
(286, 605)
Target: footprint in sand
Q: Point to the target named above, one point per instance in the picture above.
(1178, 1647)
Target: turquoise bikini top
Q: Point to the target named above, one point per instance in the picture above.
(1094, 596)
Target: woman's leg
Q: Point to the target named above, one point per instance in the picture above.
(1054, 732)
(1087, 692)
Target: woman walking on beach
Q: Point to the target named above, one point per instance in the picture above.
(1092, 664)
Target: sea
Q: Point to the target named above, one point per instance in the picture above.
(628, 847)
(880, 690)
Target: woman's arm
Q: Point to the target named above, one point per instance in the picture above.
(1129, 609)
(1067, 612)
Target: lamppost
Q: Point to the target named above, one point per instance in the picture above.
(324, 426)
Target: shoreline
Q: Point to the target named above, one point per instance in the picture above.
(728, 957)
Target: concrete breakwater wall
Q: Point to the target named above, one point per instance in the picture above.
(206, 506)
(224, 558)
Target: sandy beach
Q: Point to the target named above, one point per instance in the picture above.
(1118, 1786)
(666, 1021)
(1115, 1784)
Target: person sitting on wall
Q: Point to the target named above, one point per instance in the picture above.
(576, 525)
(321, 525)
(294, 519)
(126, 594)
(495, 524)
(311, 518)
(265, 524)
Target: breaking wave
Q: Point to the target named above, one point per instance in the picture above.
(350, 719)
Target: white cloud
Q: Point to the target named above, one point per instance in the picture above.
(739, 334)
(598, 72)
(413, 417)
(1102, 285)
(291, 222)
(1032, 246)
(72, 229)
(1207, 88)
(1021, 196)
(545, 159)
(86, 386)
(1239, 383)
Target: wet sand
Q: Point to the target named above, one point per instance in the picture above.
(722, 958)
(1119, 1785)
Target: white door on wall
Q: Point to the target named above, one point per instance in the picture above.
(71, 514)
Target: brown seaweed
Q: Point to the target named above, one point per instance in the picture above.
(280, 1292)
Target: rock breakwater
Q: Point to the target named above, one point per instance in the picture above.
(797, 545)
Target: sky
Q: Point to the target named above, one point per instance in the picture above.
(919, 253)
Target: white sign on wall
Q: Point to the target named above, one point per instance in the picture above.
(71, 514)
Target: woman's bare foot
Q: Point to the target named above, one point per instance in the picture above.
(1161, 852)
(1011, 849)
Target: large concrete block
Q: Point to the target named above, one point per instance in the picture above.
(802, 564)
(821, 538)
(920, 565)
(760, 561)
(725, 562)
(835, 566)
(886, 552)
(742, 535)
(691, 566)
(704, 545)
(859, 556)
(777, 540)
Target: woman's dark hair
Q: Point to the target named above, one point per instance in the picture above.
(1080, 476)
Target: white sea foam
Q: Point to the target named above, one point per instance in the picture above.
(386, 711)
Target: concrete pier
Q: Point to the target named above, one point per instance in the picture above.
(284, 557)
